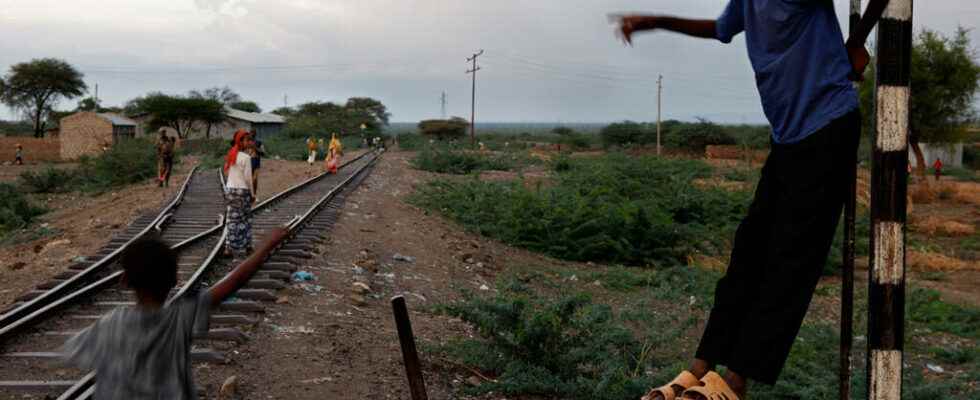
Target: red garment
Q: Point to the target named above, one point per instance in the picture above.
(233, 152)
(938, 165)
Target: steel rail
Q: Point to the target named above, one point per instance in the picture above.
(85, 387)
(50, 295)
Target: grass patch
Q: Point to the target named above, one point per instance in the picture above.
(16, 211)
(962, 174)
(926, 308)
(614, 209)
(48, 180)
(447, 161)
(568, 347)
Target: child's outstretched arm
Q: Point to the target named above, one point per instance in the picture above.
(630, 24)
(239, 276)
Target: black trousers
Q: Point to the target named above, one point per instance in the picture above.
(779, 252)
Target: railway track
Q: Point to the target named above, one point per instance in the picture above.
(28, 352)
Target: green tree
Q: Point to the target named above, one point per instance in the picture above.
(247, 106)
(36, 86)
(563, 131)
(224, 95)
(624, 133)
(444, 129)
(324, 118)
(944, 81)
(177, 112)
(284, 111)
(697, 136)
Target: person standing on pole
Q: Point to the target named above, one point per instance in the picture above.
(803, 69)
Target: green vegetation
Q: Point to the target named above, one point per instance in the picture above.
(611, 333)
(127, 162)
(321, 119)
(962, 174)
(614, 208)
(16, 211)
(449, 161)
(570, 347)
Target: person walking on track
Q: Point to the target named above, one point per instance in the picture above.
(311, 147)
(334, 151)
(165, 158)
(239, 195)
(802, 68)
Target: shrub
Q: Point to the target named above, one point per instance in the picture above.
(129, 161)
(448, 161)
(15, 211)
(624, 133)
(48, 180)
(567, 348)
(614, 209)
(696, 137)
(444, 129)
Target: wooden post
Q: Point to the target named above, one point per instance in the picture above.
(413, 369)
(886, 291)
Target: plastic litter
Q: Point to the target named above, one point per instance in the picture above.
(935, 368)
(403, 258)
(303, 276)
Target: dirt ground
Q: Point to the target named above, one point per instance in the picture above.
(79, 224)
(323, 344)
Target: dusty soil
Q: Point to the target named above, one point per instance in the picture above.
(341, 350)
(80, 224)
(9, 173)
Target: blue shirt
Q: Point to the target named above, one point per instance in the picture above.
(801, 66)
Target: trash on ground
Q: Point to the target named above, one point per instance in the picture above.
(301, 276)
(403, 258)
(935, 368)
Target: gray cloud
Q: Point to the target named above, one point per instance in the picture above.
(545, 60)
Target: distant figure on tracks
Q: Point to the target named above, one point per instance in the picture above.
(165, 158)
(311, 147)
(802, 69)
(256, 151)
(937, 168)
(144, 351)
(238, 193)
(19, 155)
(334, 151)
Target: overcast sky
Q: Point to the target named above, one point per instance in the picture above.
(545, 60)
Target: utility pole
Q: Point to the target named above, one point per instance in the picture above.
(847, 270)
(473, 101)
(96, 98)
(285, 100)
(660, 89)
(443, 99)
(889, 186)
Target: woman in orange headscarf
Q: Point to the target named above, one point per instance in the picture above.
(238, 194)
(335, 150)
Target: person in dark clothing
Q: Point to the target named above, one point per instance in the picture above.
(165, 158)
(803, 67)
(256, 151)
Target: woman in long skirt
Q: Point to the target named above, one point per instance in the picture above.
(335, 150)
(238, 194)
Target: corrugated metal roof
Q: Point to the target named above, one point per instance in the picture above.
(257, 118)
(118, 120)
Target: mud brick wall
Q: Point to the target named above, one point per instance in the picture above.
(731, 152)
(35, 149)
(84, 133)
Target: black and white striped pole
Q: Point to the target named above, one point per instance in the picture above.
(847, 271)
(889, 185)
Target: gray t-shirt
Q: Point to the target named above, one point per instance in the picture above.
(140, 354)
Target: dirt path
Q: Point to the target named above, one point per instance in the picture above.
(321, 345)
(79, 224)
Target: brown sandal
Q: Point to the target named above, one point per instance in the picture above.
(711, 387)
(684, 380)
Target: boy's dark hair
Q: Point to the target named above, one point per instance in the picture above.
(151, 267)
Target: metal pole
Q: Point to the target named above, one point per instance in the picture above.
(473, 101)
(847, 271)
(660, 88)
(413, 369)
(886, 286)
